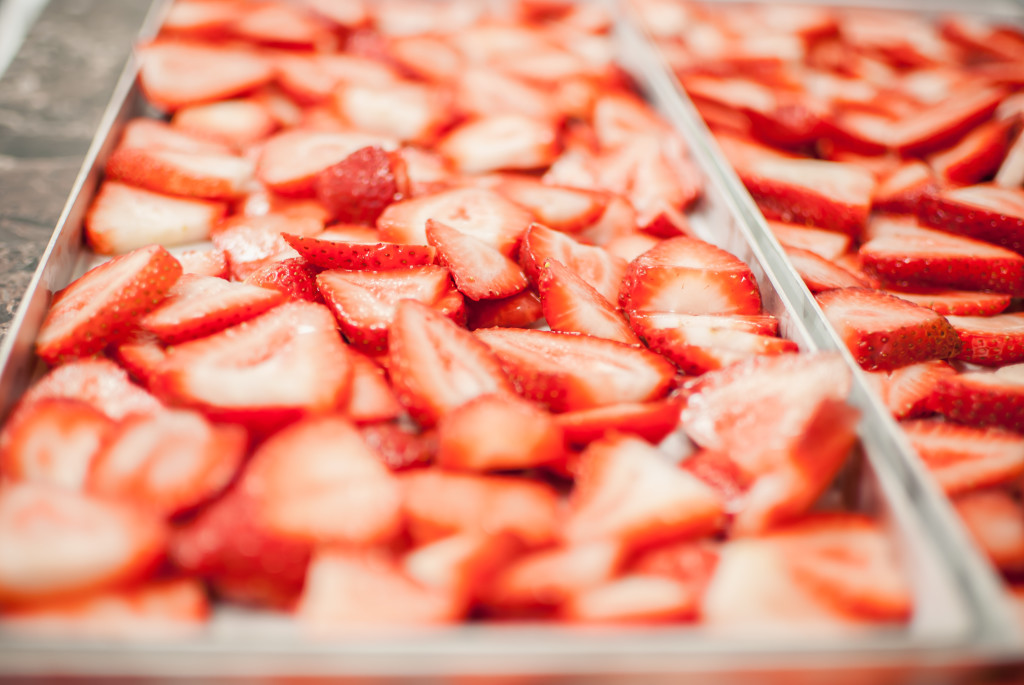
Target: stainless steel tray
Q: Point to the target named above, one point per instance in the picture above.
(950, 634)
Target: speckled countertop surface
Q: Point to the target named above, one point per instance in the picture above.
(51, 100)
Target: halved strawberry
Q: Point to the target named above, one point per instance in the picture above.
(906, 391)
(123, 218)
(689, 276)
(188, 174)
(327, 253)
(480, 271)
(956, 302)
(518, 311)
(295, 278)
(250, 242)
(820, 274)
(98, 382)
(571, 305)
(634, 598)
(52, 442)
(438, 503)
(561, 208)
(566, 372)
(359, 187)
(290, 162)
(901, 190)
(652, 421)
(825, 244)
(49, 537)
(103, 305)
(478, 212)
(885, 332)
(978, 154)
(437, 366)
(176, 74)
(704, 343)
(366, 302)
(990, 340)
(983, 398)
(318, 480)
(598, 268)
(995, 519)
(197, 306)
(211, 262)
(984, 212)
(504, 141)
(271, 369)
(962, 458)
(498, 433)
(371, 398)
(237, 123)
(934, 258)
(228, 545)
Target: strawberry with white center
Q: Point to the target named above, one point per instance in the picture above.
(154, 134)
(280, 24)
(983, 398)
(403, 110)
(885, 332)
(906, 391)
(963, 458)
(480, 271)
(250, 242)
(984, 212)
(358, 188)
(501, 142)
(211, 262)
(291, 161)
(601, 270)
(311, 78)
(103, 305)
(98, 382)
(995, 519)
(561, 208)
(177, 74)
(571, 305)
(237, 123)
(327, 253)
(990, 340)
(188, 174)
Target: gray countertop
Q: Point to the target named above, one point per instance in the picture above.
(51, 100)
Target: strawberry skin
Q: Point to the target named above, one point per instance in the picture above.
(331, 254)
(906, 391)
(358, 188)
(990, 340)
(885, 332)
(295, 278)
(820, 274)
(956, 302)
(983, 399)
(984, 212)
(103, 305)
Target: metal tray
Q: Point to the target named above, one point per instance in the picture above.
(950, 634)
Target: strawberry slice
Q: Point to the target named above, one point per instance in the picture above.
(956, 302)
(398, 445)
(52, 442)
(403, 110)
(462, 565)
(358, 188)
(212, 262)
(826, 244)
(439, 503)
(176, 74)
(123, 218)
(429, 58)
(437, 366)
(498, 433)
(933, 128)
(567, 372)
(995, 519)
(629, 491)
(990, 340)
(1011, 171)
(902, 190)
(906, 391)
(169, 463)
(692, 562)
(634, 598)
(98, 382)
(236, 123)
(250, 242)
(280, 24)
(502, 141)
(518, 311)
(819, 274)
(984, 212)
(268, 370)
(705, 343)
(154, 134)
(291, 161)
(189, 174)
(318, 480)
(312, 78)
(651, 421)
(620, 118)
(227, 544)
(325, 252)
(200, 18)
(478, 212)
(934, 258)
(371, 398)
(977, 156)
(885, 332)
(483, 91)
(366, 302)
(602, 271)
(294, 278)
(689, 276)
(571, 305)
(648, 323)
(103, 305)
(983, 399)
(561, 208)
(963, 458)
(480, 271)
(51, 537)
(197, 306)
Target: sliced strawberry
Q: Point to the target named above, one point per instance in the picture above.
(567, 372)
(634, 598)
(705, 343)
(935, 127)
(52, 442)
(295, 278)
(480, 213)
(498, 433)
(629, 246)
(598, 268)
(437, 366)
(885, 332)
(901, 190)
(365, 302)
(645, 323)
(689, 276)
(462, 564)
(620, 118)
(318, 480)
(359, 187)
(327, 253)
(722, 474)
(571, 305)
(291, 161)
(236, 123)
(990, 340)
(267, 370)
(141, 354)
(977, 156)
(956, 302)
(825, 244)
(1011, 171)
(995, 519)
(430, 58)
(438, 503)
(820, 274)
(504, 141)
(98, 382)
(200, 18)
(983, 212)
(558, 207)
(212, 262)
(155, 134)
(652, 421)
(176, 74)
(405, 110)
(963, 458)
(371, 398)
(906, 391)
(398, 445)
(518, 311)
(103, 305)
(312, 78)
(485, 91)
(280, 24)
(250, 242)
(197, 306)
(189, 174)
(123, 218)
(480, 271)
(983, 399)
(229, 545)
(934, 258)
(50, 539)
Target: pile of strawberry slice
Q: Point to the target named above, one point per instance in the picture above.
(887, 152)
(343, 401)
